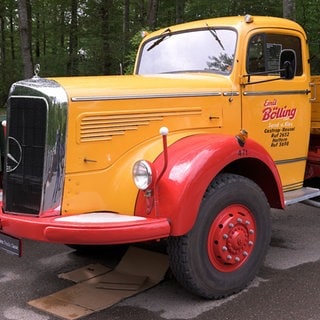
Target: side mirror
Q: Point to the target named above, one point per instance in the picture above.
(288, 64)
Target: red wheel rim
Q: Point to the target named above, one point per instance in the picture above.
(231, 238)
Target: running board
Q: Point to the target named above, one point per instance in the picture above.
(295, 196)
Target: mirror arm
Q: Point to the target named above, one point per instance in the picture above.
(260, 81)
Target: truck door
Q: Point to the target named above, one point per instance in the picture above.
(275, 111)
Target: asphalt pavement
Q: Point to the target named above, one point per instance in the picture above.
(287, 287)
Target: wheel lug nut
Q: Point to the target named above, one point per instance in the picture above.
(229, 257)
(247, 222)
(239, 220)
(245, 253)
(251, 231)
(225, 236)
(224, 248)
(237, 259)
(250, 243)
(231, 225)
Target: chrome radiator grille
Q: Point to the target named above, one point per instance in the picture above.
(35, 149)
(27, 120)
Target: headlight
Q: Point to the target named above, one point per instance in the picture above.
(142, 174)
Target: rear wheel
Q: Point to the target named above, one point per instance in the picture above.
(228, 243)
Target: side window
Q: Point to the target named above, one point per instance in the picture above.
(264, 50)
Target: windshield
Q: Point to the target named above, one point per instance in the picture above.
(207, 50)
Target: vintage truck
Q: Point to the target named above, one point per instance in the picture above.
(218, 124)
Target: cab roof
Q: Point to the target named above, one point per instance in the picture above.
(237, 22)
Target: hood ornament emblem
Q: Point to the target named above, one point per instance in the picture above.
(36, 71)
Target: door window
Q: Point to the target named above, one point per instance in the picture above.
(264, 53)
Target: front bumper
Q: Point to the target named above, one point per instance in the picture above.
(98, 228)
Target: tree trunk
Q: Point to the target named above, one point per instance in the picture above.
(125, 31)
(37, 50)
(180, 6)
(289, 9)
(105, 10)
(24, 10)
(152, 14)
(73, 42)
(2, 47)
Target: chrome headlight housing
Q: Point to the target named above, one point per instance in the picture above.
(143, 174)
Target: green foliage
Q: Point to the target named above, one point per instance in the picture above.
(204, 9)
(308, 15)
(134, 45)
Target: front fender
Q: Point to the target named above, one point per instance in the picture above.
(193, 162)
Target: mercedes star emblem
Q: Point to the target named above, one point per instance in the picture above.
(14, 154)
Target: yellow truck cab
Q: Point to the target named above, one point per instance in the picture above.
(210, 131)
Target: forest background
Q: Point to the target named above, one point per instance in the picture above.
(100, 37)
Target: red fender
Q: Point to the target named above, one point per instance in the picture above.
(193, 162)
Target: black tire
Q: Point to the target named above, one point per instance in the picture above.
(228, 242)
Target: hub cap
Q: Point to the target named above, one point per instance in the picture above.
(231, 238)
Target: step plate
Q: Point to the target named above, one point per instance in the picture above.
(299, 195)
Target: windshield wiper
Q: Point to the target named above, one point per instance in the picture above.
(165, 33)
(214, 33)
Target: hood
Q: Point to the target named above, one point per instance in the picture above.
(138, 86)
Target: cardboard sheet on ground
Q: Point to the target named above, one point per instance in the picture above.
(98, 287)
(85, 273)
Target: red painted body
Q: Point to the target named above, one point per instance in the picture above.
(51, 230)
(193, 162)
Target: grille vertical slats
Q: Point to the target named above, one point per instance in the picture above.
(25, 155)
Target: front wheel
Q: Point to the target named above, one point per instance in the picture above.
(228, 242)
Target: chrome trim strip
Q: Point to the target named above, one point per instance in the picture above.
(290, 160)
(147, 96)
(268, 93)
(231, 94)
